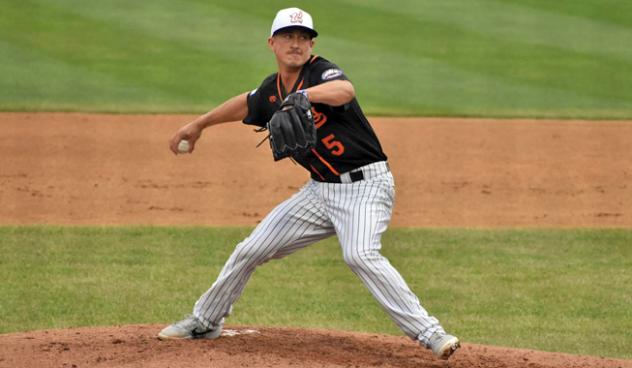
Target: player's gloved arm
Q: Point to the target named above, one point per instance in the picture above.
(235, 109)
(292, 129)
(333, 93)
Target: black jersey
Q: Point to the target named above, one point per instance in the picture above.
(345, 141)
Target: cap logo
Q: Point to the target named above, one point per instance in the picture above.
(296, 17)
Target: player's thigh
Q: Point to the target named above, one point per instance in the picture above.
(364, 215)
(294, 224)
(304, 241)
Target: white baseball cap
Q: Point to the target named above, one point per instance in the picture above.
(293, 17)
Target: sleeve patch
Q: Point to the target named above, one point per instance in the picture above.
(331, 74)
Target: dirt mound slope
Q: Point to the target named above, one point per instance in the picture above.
(137, 346)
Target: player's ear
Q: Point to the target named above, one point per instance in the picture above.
(270, 42)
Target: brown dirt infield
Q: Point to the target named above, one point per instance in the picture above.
(93, 169)
(90, 169)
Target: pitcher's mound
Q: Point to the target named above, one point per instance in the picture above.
(137, 346)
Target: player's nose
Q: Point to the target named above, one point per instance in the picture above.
(294, 42)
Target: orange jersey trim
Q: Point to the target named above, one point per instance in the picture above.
(326, 163)
(316, 171)
(278, 82)
(313, 58)
(279, 87)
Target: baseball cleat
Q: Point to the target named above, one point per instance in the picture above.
(443, 345)
(190, 328)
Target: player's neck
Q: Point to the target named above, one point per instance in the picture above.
(289, 77)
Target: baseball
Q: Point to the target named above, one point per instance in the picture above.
(183, 146)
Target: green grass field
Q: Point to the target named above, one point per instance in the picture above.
(520, 288)
(489, 58)
(533, 58)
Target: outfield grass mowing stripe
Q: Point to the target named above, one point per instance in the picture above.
(152, 68)
(516, 62)
(483, 58)
(477, 92)
(527, 24)
(56, 72)
(520, 288)
(614, 12)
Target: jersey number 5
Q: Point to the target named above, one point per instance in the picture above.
(335, 147)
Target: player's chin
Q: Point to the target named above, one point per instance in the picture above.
(295, 61)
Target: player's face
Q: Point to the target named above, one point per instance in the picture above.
(292, 48)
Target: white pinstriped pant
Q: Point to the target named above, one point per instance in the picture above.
(358, 213)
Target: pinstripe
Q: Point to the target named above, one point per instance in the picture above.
(359, 214)
(373, 274)
(359, 232)
(262, 254)
(359, 263)
(356, 238)
(273, 234)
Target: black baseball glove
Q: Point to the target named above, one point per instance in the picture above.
(292, 129)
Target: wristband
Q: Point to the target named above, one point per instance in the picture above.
(304, 93)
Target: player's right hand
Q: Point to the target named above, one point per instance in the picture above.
(190, 132)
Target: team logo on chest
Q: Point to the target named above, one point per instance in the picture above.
(272, 99)
(319, 118)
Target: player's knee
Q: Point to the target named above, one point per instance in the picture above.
(250, 253)
(358, 259)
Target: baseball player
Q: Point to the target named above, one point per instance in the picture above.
(350, 193)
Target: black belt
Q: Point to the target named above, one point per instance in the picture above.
(354, 176)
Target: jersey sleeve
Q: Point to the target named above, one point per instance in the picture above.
(255, 111)
(325, 71)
